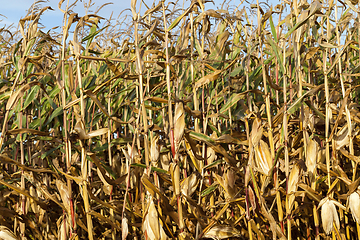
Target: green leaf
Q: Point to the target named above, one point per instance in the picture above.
(177, 20)
(312, 107)
(213, 164)
(298, 101)
(55, 113)
(315, 6)
(5, 95)
(210, 189)
(295, 106)
(30, 97)
(236, 71)
(267, 61)
(214, 128)
(120, 140)
(201, 137)
(275, 49)
(44, 155)
(43, 138)
(273, 31)
(91, 35)
(231, 102)
(35, 123)
(152, 168)
(101, 148)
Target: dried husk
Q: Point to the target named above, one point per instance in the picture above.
(64, 193)
(230, 178)
(124, 228)
(256, 132)
(311, 156)
(79, 130)
(33, 205)
(151, 224)
(227, 182)
(63, 230)
(292, 184)
(7, 234)
(189, 184)
(263, 157)
(165, 161)
(354, 204)
(179, 125)
(154, 150)
(222, 232)
(329, 215)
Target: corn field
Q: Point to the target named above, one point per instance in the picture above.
(205, 121)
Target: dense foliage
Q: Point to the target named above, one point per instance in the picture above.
(240, 122)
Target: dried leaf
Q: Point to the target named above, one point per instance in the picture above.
(207, 79)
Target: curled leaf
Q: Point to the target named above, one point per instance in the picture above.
(207, 79)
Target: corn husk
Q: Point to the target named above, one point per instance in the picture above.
(311, 156)
(63, 230)
(222, 232)
(80, 132)
(189, 184)
(179, 125)
(354, 205)
(292, 185)
(256, 132)
(154, 150)
(151, 224)
(64, 193)
(263, 157)
(124, 228)
(107, 188)
(7, 234)
(329, 215)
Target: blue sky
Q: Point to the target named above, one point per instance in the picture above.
(14, 10)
